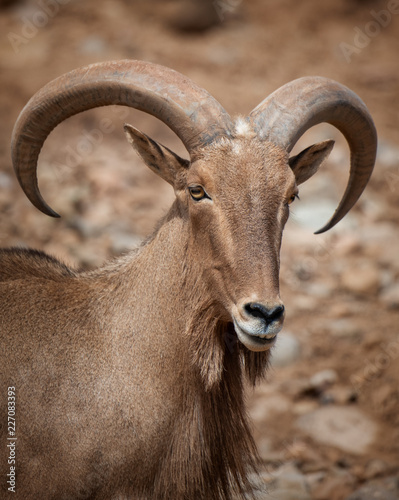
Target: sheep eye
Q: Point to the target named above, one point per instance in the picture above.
(197, 192)
(292, 199)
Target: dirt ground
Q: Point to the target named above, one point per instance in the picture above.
(329, 411)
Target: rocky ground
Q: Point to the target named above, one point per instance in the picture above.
(327, 418)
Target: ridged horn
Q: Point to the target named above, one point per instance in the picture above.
(284, 116)
(191, 112)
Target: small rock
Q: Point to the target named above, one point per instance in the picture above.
(263, 409)
(296, 387)
(83, 227)
(289, 484)
(384, 489)
(223, 56)
(303, 407)
(93, 45)
(299, 451)
(314, 479)
(320, 290)
(5, 181)
(323, 379)
(286, 351)
(289, 477)
(313, 214)
(344, 328)
(387, 154)
(375, 468)
(341, 395)
(390, 296)
(344, 427)
(364, 279)
(304, 303)
(266, 452)
(340, 310)
(336, 485)
(388, 277)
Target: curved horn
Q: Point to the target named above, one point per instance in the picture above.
(295, 107)
(193, 114)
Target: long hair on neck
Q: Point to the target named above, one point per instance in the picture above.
(212, 451)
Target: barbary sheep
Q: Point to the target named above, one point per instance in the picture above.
(128, 380)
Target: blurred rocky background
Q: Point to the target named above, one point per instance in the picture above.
(326, 420)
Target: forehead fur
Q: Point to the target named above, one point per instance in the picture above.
(243, 158)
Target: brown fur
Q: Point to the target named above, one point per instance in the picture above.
(129, 379)
(19, 263)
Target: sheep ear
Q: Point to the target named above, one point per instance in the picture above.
(307, 163)
(160, 159)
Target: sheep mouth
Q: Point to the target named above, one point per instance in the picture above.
(255, 342)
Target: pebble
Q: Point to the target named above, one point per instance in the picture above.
(387, 154)
(303, 407)
(266, 452)
(384, 489)
(323, 379)
(304, 303)
(268, 407)
(319, 290)
(5, 181)
(390, 296)
(296, 387)
(83, 227)
(344, 427)
(341, 310)
(341, 395)
(337, 484)
(313, 214)
(344, 328)
(92, 45)
(289, 477)
(375, 468)
(286, 351)
(289, 484)
(314, 479)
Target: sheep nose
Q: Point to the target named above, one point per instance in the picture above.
(268, 314)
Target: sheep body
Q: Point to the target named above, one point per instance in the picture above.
(129, 378)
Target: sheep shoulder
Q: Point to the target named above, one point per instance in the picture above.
(18, 263)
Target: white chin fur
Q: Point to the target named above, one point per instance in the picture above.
(254, 342)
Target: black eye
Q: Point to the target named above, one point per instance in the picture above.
(197, 193)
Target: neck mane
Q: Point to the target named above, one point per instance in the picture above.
(211, 450)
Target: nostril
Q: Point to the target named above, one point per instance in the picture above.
(276, 313)
(269, 314)
(256, 310)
